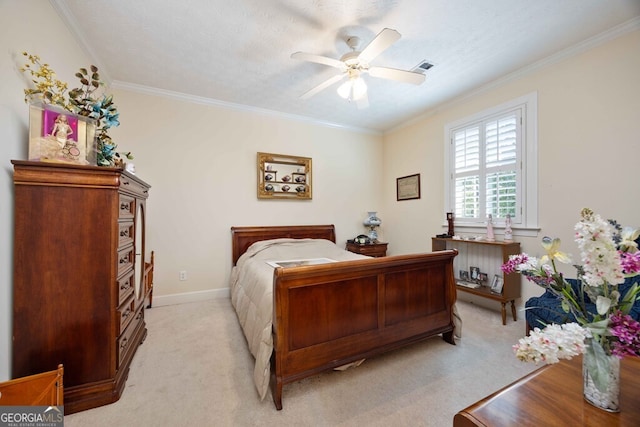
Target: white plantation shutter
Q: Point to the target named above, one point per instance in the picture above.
(486, 171)
(467, 149)
(467, 167)
(501, 159)
(467, 197)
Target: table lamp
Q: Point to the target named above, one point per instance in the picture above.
(372, 221)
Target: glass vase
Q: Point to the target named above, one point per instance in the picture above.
(609, 399)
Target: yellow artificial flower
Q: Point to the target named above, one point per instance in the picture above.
(551, 246)
(629, 235)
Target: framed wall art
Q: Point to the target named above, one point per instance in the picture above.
(408, 187)
(284, 177)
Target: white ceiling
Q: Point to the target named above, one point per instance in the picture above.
(237, 52)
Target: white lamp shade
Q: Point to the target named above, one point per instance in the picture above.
(372, 219)
(353, 89)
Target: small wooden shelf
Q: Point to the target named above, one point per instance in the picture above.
(493, 254)
(293, 181)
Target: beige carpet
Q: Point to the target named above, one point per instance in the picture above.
(194, 369)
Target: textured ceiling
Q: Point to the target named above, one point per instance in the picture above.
(237, 52)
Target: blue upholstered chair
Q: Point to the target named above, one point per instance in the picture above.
(545, 309)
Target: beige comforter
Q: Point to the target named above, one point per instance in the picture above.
(252, 292)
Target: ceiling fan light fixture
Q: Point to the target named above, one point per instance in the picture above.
(353, 89)
(352, 64)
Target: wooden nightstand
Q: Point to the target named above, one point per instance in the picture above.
(371, 249)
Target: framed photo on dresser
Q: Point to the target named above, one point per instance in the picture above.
(496, 284)
(474, 273)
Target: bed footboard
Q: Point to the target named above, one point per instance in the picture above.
(331, 314)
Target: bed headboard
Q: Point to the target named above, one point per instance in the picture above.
(243, 237)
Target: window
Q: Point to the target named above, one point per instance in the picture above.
(492, 166)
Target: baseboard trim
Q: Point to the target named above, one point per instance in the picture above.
(161, 300)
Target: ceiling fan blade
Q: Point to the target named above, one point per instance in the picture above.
(382, 41)
(319, 59)
(398, 75)
(362, 102)
(322, 86)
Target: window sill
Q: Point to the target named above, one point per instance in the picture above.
(474, 229)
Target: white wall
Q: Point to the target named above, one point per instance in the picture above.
(589, 146)
(199, 159)
(201, 163)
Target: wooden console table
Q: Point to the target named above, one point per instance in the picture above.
(552, 396)
(488, 256)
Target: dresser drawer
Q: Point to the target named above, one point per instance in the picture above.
(126, 258)
(125, 341)
(125, 233)
(125, 313)
(126, 285)
(131, 186)
(371, 249)
(127, 207)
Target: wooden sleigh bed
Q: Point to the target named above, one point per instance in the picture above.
(329, 315)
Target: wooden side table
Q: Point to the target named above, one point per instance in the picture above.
(552, 396)
(378, 249)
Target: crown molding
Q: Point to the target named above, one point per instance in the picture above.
(194, 99)
(578, 48)
(69, 19)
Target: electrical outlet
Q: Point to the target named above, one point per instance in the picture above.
(183, 275)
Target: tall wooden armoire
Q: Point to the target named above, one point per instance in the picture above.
(78, 279)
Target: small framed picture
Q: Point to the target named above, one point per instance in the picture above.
(464, 275)
(408, 187)
(474, 272)
(482, 277)
(496, 284)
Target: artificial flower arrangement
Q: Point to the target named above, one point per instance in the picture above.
(84, 101)
(609, 254)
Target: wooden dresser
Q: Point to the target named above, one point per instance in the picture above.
(78, 284)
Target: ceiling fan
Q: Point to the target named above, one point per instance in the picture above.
(354, 64)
